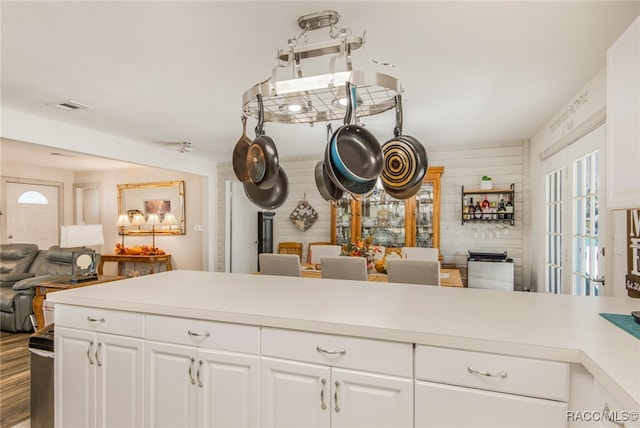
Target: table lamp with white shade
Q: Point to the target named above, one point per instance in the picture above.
(83, 262)
(170, 220)
(122, 223)
(153, 220)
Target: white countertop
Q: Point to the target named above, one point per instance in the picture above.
(537, 325)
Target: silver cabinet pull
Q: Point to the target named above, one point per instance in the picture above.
(194, 334)
(97, 352)
(335, 397)
(89, 352)
(503, 374)
(100, 320)
(606, 416)
(340, 351)
(323, 406)
(200, 384)
(193, 381)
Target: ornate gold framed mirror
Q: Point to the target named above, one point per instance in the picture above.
(152, 208)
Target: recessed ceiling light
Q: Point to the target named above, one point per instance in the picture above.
(69, 105)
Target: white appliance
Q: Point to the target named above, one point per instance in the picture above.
(490, 270)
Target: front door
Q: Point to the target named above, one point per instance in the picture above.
(32, 213)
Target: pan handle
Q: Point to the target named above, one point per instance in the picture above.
(329, 131)
(397, 131)
(259, 131)
(348, 115)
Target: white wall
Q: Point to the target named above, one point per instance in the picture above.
(463, 165)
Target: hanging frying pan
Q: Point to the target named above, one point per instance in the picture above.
(262, 156)
(240, 154)
(354, 151)
(405, 161)
(328, 190)
(355, 189)
(271, 198)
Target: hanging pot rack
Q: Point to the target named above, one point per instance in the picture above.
(319, 98)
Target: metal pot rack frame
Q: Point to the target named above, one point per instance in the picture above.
(376, 92)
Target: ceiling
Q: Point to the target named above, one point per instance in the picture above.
(161, 72)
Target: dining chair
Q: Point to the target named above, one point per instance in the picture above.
(343, 267)
(290, 248)
(279, 264)
(413, 271)
(420, 253)
(317, 251)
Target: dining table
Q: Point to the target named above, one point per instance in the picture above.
(448, 277)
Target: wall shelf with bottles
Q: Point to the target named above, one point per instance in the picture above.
(493, 206)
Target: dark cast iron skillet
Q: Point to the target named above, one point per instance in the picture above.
(272, 198)
(240, 154)
(262, 156)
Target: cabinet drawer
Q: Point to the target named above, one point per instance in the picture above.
(204, 333)
(372, 355)
(100, 320)
(523, 376)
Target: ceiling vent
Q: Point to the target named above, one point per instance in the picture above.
(69, 105)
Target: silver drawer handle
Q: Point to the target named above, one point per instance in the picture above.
(503, 375)
(101, 320)
(89, 352)
(194, 334)
(193, 381)
(322, 403)
(335, 397)
(97, 354)
(200, 384)
(340, 351)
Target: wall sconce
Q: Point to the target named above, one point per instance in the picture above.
(123, 222)
(153, 220)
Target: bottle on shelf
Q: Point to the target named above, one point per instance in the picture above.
(509, 209)
(502, 210)
(486, 208)
(470, 210)
(465, 209)
(477, 213)
(494, 210)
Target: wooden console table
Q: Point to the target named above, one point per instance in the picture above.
(122, 259)
(50, 286)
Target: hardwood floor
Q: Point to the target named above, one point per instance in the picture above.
(15, 378)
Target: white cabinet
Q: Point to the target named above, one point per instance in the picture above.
(495, 390)
(195, 386)
(317, 380)
(608, 413)
(102, 372)
(623, 120)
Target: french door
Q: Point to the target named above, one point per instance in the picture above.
(575, 217)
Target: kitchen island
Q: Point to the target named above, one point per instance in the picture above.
(565, 334)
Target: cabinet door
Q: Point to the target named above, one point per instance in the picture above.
(361, 399)
(227, 389)
(623, 125)
(294, 394)
(120, 381)
(170, 385)
(439, 405)
(75, 378)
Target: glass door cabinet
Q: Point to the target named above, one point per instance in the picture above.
(390, 222)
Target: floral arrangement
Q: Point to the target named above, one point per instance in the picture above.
(362, 248)
(138, 250)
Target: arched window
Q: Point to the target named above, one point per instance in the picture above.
(32, 197)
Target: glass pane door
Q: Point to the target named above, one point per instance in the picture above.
(586, 244)
(344, 216)
(553, 232)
